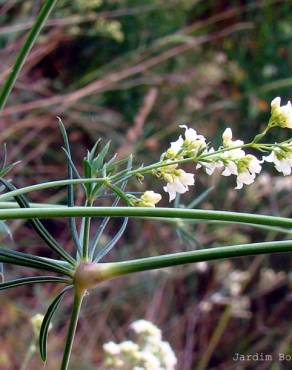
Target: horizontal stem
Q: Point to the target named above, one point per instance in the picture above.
(48, 185)
(152, 263)
(9, 205)
(199, 214)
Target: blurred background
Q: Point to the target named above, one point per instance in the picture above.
(131, 71)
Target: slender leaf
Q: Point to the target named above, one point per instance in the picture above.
(105, 221)
(33, 280)
(28, 260)
(200, 198)
(39, 227)
(113, 242)
(43, 338)
(97, 163)
(70, 188)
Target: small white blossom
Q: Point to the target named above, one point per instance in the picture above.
(282, 159)
(128, 346)
(191, 144)
(111, 348)
(192, 136)
(227, 139)
(248, 167)
(148, 352)
(176, 146)
(281, 115)
(212, 162)
(149, 199)
(145, 327)
(178, 182)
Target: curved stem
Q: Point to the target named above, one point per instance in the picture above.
(24, 51)
(152, 263)
(78, 298)
(175, 213)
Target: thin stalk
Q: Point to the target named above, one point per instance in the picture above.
(48, 185)
(24, 51)
(140, 212)
(29, 354)
(152, 263)
(86, 235)
(78, 298)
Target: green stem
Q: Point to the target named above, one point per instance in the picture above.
(86, 235)
(48, 185)
(78, 298)
(140, 212)
(152, 263)
(21, 57)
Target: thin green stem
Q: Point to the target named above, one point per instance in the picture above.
(24, 51)
(78, 298)
(140, 212)
(201, 158)
(86, 235)
(48, 185)
(152, 263)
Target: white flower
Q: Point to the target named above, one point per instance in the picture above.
(178, 182)
(112, 348)
(176, 146)
(227, 139)
(149, 199)
(281, 159)
(145, 327)
(129, 347)
(167, 356)
(231, 154)
(230, 169)
(211, 164)
(281, 115)
(248, 167)
(150, 361)
(190, 144)
(191, 134)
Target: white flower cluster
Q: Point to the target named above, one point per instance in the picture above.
(149, 352)
(231, 157)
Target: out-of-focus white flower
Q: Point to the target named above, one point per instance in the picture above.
(281, 115)
(167, 356)
(36, 322)
(248, 167)
(145, 327)
(178, 183)
(128, 346)
(150, 361)
(149, 199)
(282, 159)
(112, 348)
(149, 352)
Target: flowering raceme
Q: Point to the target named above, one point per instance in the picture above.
(231, 157)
